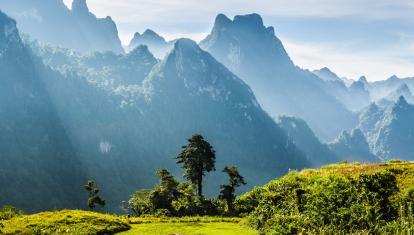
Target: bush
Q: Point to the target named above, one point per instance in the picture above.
(9, 212)
(295, 204)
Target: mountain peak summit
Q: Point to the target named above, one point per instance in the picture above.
(80, 6)
(252, 20)
(221, 19)
(186, 44)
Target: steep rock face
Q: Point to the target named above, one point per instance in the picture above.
(155, 43)
(136, 128)
(390, 130)
(209, 99)
(302, 136)
(353, 147)
(256, 55)
(52, 22)
(38, 164)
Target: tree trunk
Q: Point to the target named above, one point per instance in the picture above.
(200, 185)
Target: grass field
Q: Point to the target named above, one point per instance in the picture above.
(64, 222)
(191, 226)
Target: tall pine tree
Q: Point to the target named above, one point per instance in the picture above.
(197, 158)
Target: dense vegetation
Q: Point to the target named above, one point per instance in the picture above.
(170, 197)
(342, 198)
(348, 198)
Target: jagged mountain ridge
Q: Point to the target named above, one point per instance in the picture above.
(256, 55)
(143, 125)
(156, 43)
(353, 147)
(83, 31)
(389, 130)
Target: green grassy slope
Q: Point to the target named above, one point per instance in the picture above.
(189, 226)
(65, 222)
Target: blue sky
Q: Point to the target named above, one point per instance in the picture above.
(374, 38)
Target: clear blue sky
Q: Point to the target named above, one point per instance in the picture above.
(352, 37)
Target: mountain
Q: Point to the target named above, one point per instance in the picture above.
(256, 55)
(214, 101)
(107, 69)
(124, 131)
(302, 136)
(353, 96)
(155, 43)
(393, 97)
(358, 96)
(327, 75)
(52, 22)
(39, 167)
(389, 130)
(353, 147)
(381, 89)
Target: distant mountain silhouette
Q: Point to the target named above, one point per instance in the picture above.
(256, 55)
(52, 22)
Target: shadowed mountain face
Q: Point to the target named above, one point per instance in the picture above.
(390, 131)
(38, 164)
(124, 130)
(255, 54)
(302, 136)
(52, 22)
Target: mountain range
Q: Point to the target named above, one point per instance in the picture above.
(76, 106)
(83, 31)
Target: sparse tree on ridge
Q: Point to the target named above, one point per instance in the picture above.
(227, 192)
(93, 198)
(197, 158)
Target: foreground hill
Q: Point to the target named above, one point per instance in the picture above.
(344, 198)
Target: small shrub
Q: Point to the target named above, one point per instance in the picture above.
(9, 212)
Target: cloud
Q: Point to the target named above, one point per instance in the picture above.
(353, 64)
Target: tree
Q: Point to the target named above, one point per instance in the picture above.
(93, 198)
(227, 192)
(197, 158)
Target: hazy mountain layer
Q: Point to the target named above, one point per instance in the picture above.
(255, 54)
(390, 131)
(156, 44)
(51, 21)
(39, 166)
(123, 130)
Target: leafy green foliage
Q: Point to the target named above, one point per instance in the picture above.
(316, 202)
(8, 212)
(170, 197)
(93, 198)
(227, 192)
(197, 157)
